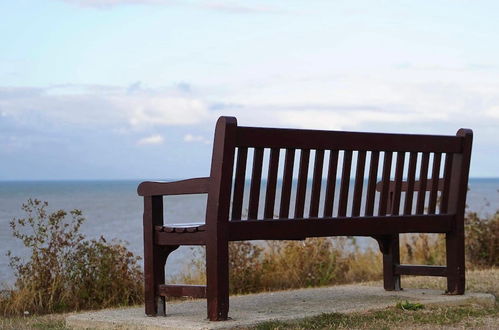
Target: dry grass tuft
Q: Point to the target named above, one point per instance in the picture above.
(65, 271)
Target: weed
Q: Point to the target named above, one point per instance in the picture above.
(390, 318)
(409, 306)
(65, 271)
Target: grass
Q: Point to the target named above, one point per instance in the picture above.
(411, 314)
(393, 317)
(52, 322)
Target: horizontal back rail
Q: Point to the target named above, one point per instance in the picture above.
(316, 139)
(349, 226)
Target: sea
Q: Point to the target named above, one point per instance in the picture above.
(114, 210)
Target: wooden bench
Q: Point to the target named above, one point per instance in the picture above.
(410, 198)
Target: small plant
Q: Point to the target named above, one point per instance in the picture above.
(65, 271)
(409, 306)
(482, 240)
(278, 265)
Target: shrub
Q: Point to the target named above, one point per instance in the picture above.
(295, 264)
(422, 249)
(278, 265)
(65, 271)
(482, 240)
(245, 267)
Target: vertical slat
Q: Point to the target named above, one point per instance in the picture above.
(271, 183)
(411, 174)
(423, 178)
(435, 174)
(359, 183)
(399, 170)
(239, 182)
(287, 183)
(256, 178)
(316, 183)
(302, 183)
(444, 202)
(387, 167)
(330, 183)
(371, 185)
(345, 183)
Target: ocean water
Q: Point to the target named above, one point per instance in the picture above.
(113, 209)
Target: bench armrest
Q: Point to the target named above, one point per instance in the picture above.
(189, 186)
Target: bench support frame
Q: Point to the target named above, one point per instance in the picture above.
(218, 230)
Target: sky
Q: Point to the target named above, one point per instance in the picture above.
(131, 89)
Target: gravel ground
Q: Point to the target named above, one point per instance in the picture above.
(247, 310)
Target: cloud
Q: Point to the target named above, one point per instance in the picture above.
(135, 87)
(55, 119)
(350, 119)
(163, 110)
(153, 139)
(113, 3)
(220, 6)
(353, 106)
(196, 138)
(235, 8)
(86, 106)
(184, 87)
(493, 112)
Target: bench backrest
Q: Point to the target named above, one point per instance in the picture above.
(417, 174)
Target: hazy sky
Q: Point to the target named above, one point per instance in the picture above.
(111, 89)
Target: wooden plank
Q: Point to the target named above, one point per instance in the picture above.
(371, 185)
(174, 238)
(331, 183)
(444, 203)
(385, 179)
(345, 183)
(359, 183)
(416, 185)
(435, 174)
(334, 226)
(302, 183)
(421, 270)
(423, 177)
(335, 140)
(256, 180)
(268, 212)
(239, 183)
(287, 183)
(397, 190)
(182, 290)
(189, 186)
(316, 183)
(411, 174)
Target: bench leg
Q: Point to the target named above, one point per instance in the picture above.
(154, 275)
(390, 247)
(456, 280)
(217, 280)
